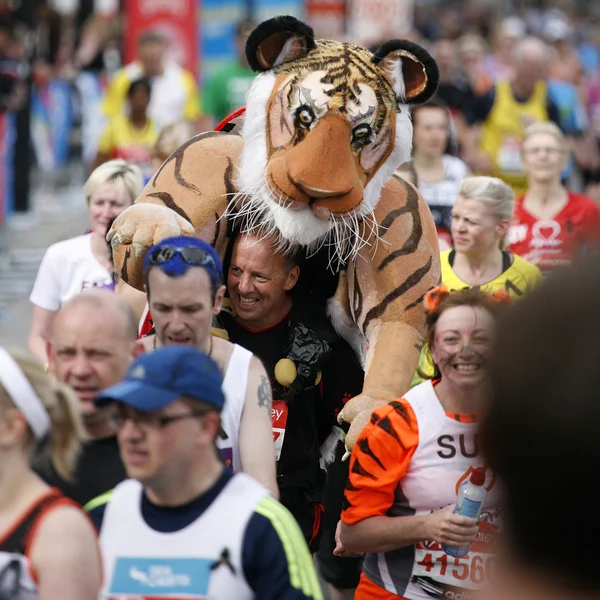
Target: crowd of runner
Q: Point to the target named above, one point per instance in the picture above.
(159, 445)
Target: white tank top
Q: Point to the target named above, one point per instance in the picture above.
(141, 562)
(447, 452)
(234, 388)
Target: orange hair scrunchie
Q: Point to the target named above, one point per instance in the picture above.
(433, 298)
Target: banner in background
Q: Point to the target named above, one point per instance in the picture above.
(327, 18)
(217, 23)
(216, 31)
(265, 9)
(175, 19)
(372, 22)
(51, 122)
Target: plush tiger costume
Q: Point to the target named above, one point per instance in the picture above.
(326, 126)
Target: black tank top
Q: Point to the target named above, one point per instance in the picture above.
(16, 582)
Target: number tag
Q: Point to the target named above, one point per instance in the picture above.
(509, 155)
(279, 415)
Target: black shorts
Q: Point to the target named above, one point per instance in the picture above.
(310, 519)
(307, 508)
(341, 573)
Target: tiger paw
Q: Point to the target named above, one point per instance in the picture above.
(355, 430)
(135, 231)
(357, 405)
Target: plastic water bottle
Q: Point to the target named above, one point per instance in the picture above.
(471, 497)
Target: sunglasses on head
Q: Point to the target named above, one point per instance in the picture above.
(192, 256)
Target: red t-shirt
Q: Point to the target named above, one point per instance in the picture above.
(554, 243)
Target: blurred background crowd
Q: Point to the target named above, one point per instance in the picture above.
(66, 67)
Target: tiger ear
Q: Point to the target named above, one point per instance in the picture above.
(413, 72)
(277, 41)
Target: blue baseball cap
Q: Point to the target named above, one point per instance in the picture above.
(157, 378)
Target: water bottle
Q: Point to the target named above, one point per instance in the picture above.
(471, 497)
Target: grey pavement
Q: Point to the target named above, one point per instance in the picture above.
(58, 211)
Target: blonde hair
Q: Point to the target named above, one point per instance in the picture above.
(113, 171)
(170, 138)
(493, 192)
(61, 404)
(548, 128)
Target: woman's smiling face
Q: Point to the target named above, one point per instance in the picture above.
(462, 344)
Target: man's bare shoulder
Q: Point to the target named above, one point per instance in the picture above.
(222, 351)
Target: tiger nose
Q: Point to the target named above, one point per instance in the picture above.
(324, 157)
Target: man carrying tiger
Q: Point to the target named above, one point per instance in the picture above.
(326, 125)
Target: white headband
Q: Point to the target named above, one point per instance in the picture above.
(21, 392)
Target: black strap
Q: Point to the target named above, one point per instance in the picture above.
(507, 260)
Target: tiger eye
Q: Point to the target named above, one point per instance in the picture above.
(305, 117)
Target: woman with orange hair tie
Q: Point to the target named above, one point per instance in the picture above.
(410, 459)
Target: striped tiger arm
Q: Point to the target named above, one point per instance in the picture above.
(187, 196)
(386, 286)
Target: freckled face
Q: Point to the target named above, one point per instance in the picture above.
(462, 345)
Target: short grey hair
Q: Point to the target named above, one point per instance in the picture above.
(548, 128)
(112, 171)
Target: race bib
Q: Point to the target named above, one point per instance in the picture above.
(509, 155)
(434, 569)
(279, 415)
(465, 572)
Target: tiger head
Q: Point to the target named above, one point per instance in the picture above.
(326, 125)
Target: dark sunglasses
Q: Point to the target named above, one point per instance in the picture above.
(192, 256)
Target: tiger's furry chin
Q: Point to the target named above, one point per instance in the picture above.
(301, 227)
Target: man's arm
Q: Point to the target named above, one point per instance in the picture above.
(276, 560)
(257, 452)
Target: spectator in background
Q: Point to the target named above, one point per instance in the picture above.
(567, 91)
(227, 86)
(131, 135)
(552, 225)
(470, 52)
(174, 90)
(47, 546)
(433, 169)
(70, 266)
(454, 87)
(497, 120)
(11, 88)
(169, 139)
(566, 66)
(499, 63)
